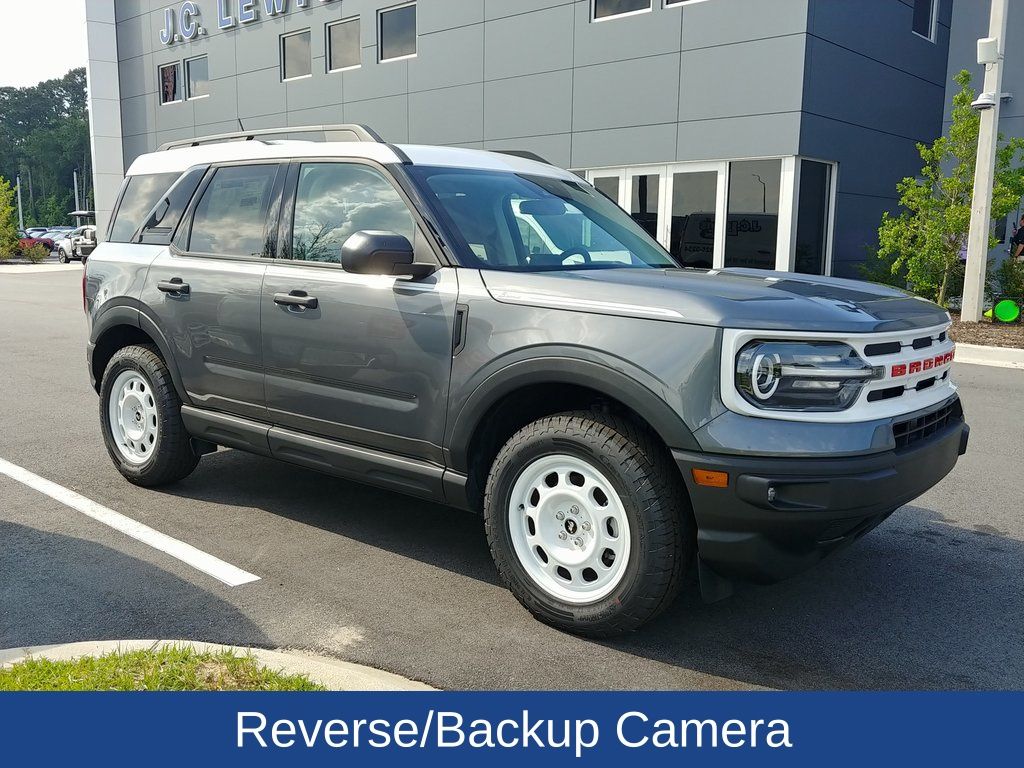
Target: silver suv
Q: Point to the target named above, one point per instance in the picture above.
(488, 331)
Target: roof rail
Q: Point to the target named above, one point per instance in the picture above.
(523, 153)
(341, 132)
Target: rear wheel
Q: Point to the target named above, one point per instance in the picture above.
(140, 413)
(589, 523)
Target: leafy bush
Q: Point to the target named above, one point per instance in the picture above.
(1009, 279)
(36, 253)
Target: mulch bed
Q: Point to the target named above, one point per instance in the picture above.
(988, 333)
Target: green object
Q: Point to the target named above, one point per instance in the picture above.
(1006, 311)
(171, 668)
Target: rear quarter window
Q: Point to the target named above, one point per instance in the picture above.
(140, 194)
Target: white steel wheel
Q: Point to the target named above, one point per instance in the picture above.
(132, 417)
(569, 529)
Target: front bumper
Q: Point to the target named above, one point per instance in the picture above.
(780, 516)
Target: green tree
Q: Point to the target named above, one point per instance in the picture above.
(8, 221)
(926, 238)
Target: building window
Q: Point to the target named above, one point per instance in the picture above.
(645, 202)
(925, 13)
(814, 204)
(694, 205)
(197, 78)
(170, 83)
(397, 32)
(608, 9)
(752, 225)
(343, 49)
(296, 60)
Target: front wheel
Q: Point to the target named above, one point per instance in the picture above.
(589, 523)
(140, 414)
(62, 256)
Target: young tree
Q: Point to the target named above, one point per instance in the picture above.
(928, 235)
(8, 221)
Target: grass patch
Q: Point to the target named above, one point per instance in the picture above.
(171, 668)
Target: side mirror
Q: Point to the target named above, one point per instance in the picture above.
(382, 253)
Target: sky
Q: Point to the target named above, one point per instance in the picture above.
(43, 39)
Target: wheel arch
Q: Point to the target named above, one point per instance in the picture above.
(122, 326)
(530, 389)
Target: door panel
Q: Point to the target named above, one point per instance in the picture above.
(206, 300)
(364, 359)
(369, 365)
(213, 329)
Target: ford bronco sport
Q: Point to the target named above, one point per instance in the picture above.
(489, 331)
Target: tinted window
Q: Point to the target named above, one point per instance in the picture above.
(231, 217)
(605, 8)
(165, 216)
(398, 32)
(343, 45)
(752, 227)
(140, 195)
(170, 83)
(336, 200)
(198, 73)
(295, 56)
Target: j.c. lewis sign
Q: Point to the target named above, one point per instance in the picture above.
(185, 22)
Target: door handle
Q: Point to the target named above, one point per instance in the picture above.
(174, 286)
(296, 299)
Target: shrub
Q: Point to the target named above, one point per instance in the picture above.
(1009, 279)
(36, 253)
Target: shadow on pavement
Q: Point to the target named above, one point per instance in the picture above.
(51, 586)
(918, 603)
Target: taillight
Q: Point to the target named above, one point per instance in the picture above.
(85, 304)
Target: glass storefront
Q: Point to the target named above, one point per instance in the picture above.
(772, 213)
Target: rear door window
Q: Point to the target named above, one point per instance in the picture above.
(231, 217)
(138, 198)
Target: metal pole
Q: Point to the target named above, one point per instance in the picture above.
(21, 214)
(984, 176)
(78, 206)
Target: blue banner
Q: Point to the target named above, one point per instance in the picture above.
(353, 729)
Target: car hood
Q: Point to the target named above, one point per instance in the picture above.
(727, 298)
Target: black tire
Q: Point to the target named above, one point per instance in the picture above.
(62, 256)
(656, 505)
(172, 458)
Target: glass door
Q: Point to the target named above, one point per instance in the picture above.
(610, 181)
(695, 228)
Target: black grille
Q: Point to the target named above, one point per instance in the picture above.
(912, 431)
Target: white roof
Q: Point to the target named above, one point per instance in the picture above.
(182, 158)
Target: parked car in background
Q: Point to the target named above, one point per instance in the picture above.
(27, 240)
(34, 231)
(77, 244)
(56, 234)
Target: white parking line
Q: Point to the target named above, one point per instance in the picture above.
(225, 572)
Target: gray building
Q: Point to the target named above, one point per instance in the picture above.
(766, 133)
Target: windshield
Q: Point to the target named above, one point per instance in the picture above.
(536, 223)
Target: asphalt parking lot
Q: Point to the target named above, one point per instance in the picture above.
(934, 598)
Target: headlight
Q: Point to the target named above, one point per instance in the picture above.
(802, 375)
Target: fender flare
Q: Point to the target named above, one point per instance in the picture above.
(634, 391)
(122, 315)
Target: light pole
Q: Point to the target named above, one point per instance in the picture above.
(990, 53)
(21, 215)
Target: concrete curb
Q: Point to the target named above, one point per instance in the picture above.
(1000, 357)
(36, 269)
(333, 674)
